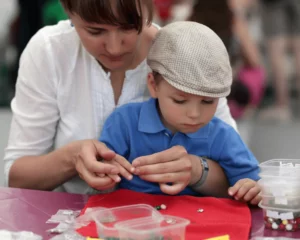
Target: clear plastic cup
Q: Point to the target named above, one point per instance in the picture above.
(170, 227)
(106, 219)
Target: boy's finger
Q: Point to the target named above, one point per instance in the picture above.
(168, 155)
(123, 171)
(244, 189)
(173, 189)
(114, 177)
(124, 163)
(235, 188)
(251, 194)
(256, 200)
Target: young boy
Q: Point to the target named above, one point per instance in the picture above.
(191, 71)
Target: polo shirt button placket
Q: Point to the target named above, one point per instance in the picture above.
(167, 134)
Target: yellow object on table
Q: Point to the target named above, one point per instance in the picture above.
(89, 238)
(225, 237)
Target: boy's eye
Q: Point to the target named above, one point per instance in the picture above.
(179, 101)
(208, 101)
(95, 32)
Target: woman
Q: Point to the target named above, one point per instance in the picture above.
(71, 77)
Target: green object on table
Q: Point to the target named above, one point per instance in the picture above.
(53, 12)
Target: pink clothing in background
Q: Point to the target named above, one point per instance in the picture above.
(254, 80)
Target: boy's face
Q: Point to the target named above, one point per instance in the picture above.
(181, 111)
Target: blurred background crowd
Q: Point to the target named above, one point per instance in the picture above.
(261, 36)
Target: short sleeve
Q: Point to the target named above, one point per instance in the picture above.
(235, 158)
(34, 107)
(115, 134)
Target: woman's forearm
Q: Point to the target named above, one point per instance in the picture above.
(216, 183)
(44, 172)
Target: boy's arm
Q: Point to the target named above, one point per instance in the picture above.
(235, 157)
(241, 168)
(215, 184)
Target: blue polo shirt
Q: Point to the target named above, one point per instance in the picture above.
(135, 130)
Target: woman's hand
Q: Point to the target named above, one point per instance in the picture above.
(170, 166)
(98, 166)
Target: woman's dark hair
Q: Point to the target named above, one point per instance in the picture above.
(217, 15)
(125, 13)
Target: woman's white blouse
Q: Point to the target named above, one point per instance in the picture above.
(63, 95)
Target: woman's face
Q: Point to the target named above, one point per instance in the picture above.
(115, 48)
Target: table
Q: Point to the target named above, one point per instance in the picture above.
(28, 210)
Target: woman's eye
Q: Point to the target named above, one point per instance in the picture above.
(95, 31)
(179, 101)
(129, 27)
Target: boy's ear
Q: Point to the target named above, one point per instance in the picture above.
(152, 86)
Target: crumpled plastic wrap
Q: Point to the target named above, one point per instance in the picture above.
(7, 235)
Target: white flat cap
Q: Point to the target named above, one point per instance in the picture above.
(192, 58)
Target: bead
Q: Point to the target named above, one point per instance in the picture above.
(289, 227)
(284, 222)
(298, 220)
(268, 225)
(270, 220)
(274, 225)
(161, 207)
(295, 226)
(282, 226)
(278, 221)
(200, 210)
(292, 221)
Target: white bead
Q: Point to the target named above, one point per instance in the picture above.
(289, 227)
(274, 225)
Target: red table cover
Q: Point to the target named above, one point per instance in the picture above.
(220, 216)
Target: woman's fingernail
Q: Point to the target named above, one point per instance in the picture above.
(130, 177)
(132, 170)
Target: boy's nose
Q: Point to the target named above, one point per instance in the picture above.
(193, 112)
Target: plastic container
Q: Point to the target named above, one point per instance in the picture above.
(281, 219)
(286, 168)
(171, 228)
(280, 187)
(106, 219)
(281, 202)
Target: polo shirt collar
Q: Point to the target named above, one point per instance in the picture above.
(150, 122)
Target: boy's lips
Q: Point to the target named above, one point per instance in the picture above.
(193, 125)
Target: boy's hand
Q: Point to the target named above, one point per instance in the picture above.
(246, 190)
(170, 166)
(125, 168)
